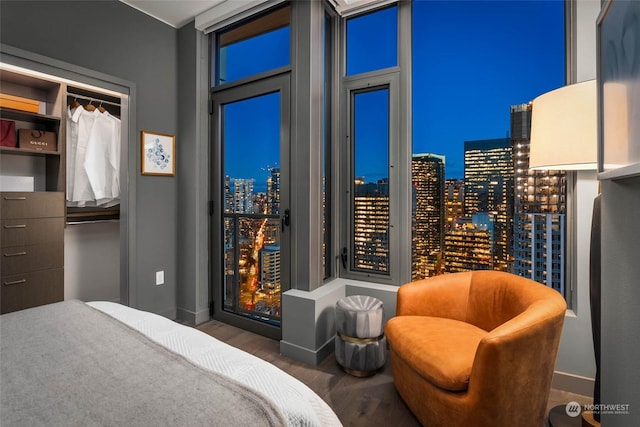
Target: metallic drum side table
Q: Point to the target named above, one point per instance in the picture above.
(360, 344)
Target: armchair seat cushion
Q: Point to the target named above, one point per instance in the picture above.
(440, 350)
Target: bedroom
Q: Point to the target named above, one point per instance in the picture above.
(169, 102)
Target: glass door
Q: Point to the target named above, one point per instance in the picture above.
(250, 239)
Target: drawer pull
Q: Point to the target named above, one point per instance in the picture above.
(15, 254)
(16, 226)
(15, 282)
(14, 198)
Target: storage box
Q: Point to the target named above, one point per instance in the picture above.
(8, 133)
(37, 140)
(19, 103)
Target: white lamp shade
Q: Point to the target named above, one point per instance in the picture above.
(563, 129)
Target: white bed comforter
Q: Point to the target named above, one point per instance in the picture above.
(299, 403)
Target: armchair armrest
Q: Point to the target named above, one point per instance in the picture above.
(521, 353)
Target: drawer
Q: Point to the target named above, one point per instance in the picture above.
(31, 231)
(40, 204)
(31, 290)
(23, 259)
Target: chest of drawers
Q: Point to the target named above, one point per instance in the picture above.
(32, 249)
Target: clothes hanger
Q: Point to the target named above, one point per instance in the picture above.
(74, 104)
(90, 106)
(101, 108)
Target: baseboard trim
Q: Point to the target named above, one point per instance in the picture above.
(573, 383)
(193, 318)
(305, 355)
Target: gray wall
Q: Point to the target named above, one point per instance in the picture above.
(115, 39)
(193, 163)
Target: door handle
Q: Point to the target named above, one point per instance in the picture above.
(286, 219)
(344, 257)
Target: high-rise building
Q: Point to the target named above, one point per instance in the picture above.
(469, 244)
(228, 196)
(540, 208)
(371, 226)
(427, 175)
(538, 248)
(270, 268)
(273, 192)
(243, 195)
(454, 204)
(488, 188)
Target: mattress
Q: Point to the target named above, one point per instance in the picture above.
(300, 405)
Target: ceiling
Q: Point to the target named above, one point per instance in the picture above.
(173, 12)
(179, 12)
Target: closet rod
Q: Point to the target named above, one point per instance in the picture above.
(92, 221)
(70, 94)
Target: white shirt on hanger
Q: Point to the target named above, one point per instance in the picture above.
(82, 191)
(72, 142)
(101, 163)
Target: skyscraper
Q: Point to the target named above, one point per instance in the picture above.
(454, 205)
(488, 182)
(273, 192)
(427, 175)
(243, 195)
(540, 209)
(371, 226)
(228, 195)
(270, 268)
(469, 244)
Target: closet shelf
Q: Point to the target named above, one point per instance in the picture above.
(29, 152)
(7, 113)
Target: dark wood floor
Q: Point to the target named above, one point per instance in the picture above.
(370, 402)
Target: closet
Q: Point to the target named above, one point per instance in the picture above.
(92, 243)
(92, 135)
(56, 246)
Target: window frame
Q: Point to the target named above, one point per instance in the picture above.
(281, 84)
(261, 22)
(330, 130)
(398, 80)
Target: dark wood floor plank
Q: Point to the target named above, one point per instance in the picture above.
(370, 402)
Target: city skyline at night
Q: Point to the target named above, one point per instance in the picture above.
(465, 78)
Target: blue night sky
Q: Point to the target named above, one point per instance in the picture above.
(472, 60)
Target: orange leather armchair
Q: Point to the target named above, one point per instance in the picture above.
(476, 348)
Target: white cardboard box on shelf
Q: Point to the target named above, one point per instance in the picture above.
(16, 183)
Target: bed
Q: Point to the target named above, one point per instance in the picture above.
(102, 363)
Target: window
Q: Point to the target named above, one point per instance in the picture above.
(373, 149)
(254, 47)
(476, 67)
(252, 207)
(372, 41)
(250, 173)
(370, 189)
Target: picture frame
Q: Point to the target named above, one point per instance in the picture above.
(158, 153)
(618, 50)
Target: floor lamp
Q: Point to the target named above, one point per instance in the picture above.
(564, 137)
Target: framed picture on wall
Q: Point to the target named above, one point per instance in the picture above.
(618, 36)
(158, 153)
